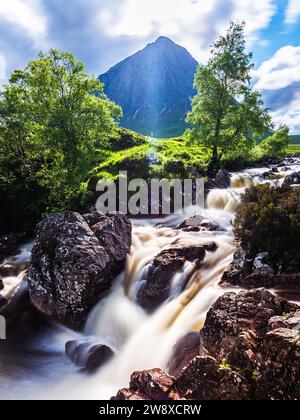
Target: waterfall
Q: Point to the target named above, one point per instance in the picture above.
(139, 340)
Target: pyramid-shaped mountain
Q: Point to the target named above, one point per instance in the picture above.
(154, 88)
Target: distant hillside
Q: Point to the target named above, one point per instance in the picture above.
(295, 139)
(154, 88)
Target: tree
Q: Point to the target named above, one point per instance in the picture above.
(53, 116)
(276, 144)
(226, 112)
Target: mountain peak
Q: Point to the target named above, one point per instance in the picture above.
(163, 39)
(154, 87)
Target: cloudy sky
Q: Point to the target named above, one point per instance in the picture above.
(102, 32)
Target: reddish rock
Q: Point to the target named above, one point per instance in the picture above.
(279, 375)
(204, 379)
(233, 314)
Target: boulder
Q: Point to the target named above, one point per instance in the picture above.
(199, 224)
(204, 379)
(73, 262)
(88, 354)
(222, 180)
(244, 316)
(156, 287)
(271, 281)
(186, 348)
(279, 375)
(249, 349)
(150, 385)
(292, 179)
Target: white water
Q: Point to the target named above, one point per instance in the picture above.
(141, 341)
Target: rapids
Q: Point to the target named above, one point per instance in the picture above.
(33, 364)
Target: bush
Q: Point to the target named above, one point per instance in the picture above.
(276, 145)
(268, 220)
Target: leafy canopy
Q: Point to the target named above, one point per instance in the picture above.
(53, 116)
(226, 112)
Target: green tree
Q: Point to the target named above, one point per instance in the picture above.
(276, 144)
(226, 112)
(53, 116)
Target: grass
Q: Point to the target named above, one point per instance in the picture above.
(294, 148)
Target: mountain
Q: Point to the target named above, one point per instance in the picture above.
(154, 87)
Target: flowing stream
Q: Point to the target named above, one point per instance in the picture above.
(33, 364)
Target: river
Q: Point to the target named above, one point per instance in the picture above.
(33, 364)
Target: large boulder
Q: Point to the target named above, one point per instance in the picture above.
(156, 287)
(252, 272)
(73, 262)
(279, 375)
(88, 354)
(236, 323)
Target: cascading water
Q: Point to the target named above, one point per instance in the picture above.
(34, 366)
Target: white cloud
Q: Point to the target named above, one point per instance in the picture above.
(2, 68)
(279, 80)
(289, 115)
(280, 71)
(292, 13)
(26, 14)
(192, 23)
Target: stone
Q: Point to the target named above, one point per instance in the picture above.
(157, 285)
(88, 354)
(186, 348)
(74, 261)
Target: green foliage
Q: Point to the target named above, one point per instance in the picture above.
(276, 145)
(293, 148)
(226, 113)
(53, 116)
(126, 139)
(268, 220)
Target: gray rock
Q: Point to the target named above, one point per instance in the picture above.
(73, 262)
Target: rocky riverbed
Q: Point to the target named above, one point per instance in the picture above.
(174, 303)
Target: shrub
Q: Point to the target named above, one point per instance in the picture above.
(268, 220)
(276, 145)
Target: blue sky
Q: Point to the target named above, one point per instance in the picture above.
(103, 32)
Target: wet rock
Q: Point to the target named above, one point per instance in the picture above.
(271, 281)
(233, 314)
(156, 288)
(88, 354)
(279, 376)
(184, 351)
(199, 224)
(249, 349)
(204, 379)
(222, 180)
(292, 179)
(73, 262)
(152, 384)
(234, 272)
